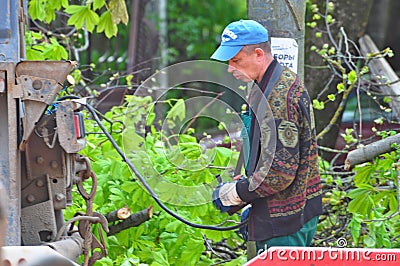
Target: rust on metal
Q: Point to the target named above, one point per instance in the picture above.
(38, 83)
(66, 127)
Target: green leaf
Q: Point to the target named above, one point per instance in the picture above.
(369, 241)
(191, 255)
(138, 232)
(82, 16)
(55, 51)
(393, 203)
(387, 99)
(355, 193)
(37, 9)
(332, 97)
(132, 141)
(364, 70)
(318, 105)
(160, 259)
(150, 119)
(92, 19)
(387, 243)
(367, 187)
(360, 203)
(77, 19)
(355, 228)
(352, 77)
(178, 110)
(36, 35)
(237, 262)
(97, 4)
(340, 87)
(34, 54)
(221, 126)
(363, 173)
(188, 139)
(162, 240)
(173, 226)
(106, 24)
(329, 19)
(129, 186)
(222, 156)
(214, 235)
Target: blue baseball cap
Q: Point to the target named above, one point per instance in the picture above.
(238, 34)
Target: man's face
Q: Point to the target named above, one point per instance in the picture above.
(244, 66)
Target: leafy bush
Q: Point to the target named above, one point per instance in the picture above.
(362, 209)
(162, 240)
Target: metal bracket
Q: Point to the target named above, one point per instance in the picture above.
(39, 223)
(38, 89)
(66, 128)
(38, 83)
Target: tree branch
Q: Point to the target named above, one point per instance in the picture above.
(131, 221)
(370, 151)
(337, 114)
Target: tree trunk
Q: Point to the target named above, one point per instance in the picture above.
(283, 19)
(353, 17)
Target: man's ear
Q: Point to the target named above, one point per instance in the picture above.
(259, 52)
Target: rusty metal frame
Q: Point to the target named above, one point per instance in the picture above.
(9, 153)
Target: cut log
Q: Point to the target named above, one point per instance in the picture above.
(133, 220)
(370, 151)
(120, 214)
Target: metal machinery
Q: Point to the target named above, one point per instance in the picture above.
(39, 163)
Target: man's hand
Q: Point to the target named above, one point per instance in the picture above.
(225, 196)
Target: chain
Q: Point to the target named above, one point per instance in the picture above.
(85, 225)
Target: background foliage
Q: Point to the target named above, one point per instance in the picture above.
(162, 240)
(361, 206)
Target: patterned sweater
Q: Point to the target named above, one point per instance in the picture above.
(284, 187)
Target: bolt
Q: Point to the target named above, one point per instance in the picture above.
(54, 164)
(59, 197)
(37, 84)
(30, 198)
(39, 159)
(39, 183)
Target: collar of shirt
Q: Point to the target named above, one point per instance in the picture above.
(267, 75)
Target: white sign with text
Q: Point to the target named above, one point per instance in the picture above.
(286, 51)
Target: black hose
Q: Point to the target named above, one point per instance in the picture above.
(148, 188)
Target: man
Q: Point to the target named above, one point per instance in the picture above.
(284, 189)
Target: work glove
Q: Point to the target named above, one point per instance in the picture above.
(225, 197)
(243, 231)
